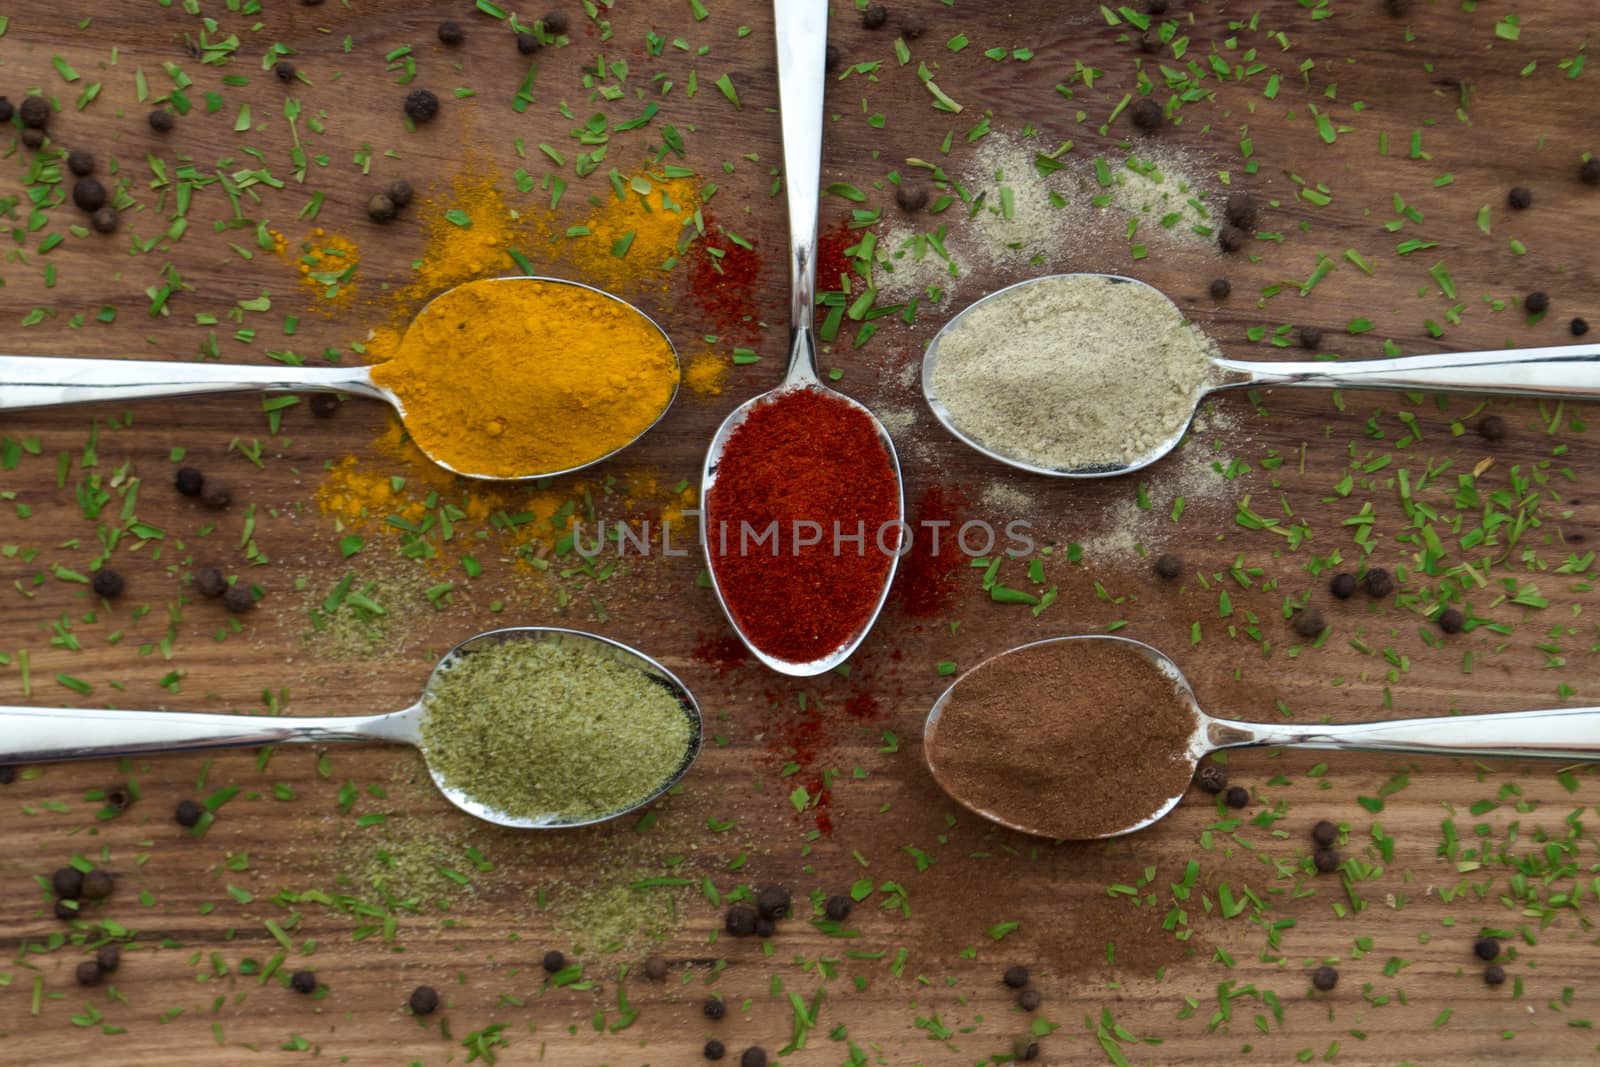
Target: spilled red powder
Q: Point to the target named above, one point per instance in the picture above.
(927, 580)
(724, 653)
(725, 288)
(831, 260)
(862, 705)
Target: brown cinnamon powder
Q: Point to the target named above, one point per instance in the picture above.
(1072, 739)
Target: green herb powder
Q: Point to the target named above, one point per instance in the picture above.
(542, 728)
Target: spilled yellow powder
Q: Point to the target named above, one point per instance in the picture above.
(631, 239)
(471, 232)
(707, 373)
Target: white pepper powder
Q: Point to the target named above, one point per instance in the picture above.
(1072, 372)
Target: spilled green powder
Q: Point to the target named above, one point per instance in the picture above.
(552, 727)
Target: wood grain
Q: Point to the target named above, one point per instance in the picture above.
(1399, 928)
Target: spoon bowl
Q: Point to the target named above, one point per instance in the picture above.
(1562, 371)
(1571, 734)
(38, 735)
(46, 381)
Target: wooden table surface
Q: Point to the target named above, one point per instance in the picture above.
(1438, 112)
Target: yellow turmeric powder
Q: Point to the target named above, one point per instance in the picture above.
(508, 378)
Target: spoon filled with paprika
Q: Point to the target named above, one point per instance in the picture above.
(1096, 736)
(530, 726)
(802, 512)
(502, 378)
(1095, 375)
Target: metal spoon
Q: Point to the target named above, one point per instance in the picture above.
(1560, 733)
(40, 735)
(802, 36)
(47, 381)
(1563, 371)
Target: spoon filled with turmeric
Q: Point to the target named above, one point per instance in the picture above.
(501, 378)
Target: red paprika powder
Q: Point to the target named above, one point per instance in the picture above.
(803, 464)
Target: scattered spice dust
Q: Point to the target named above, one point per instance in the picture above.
(927, 579)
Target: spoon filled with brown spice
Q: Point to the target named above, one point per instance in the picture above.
(531, 727)
(1095, 736)
(801, 503)
(1095, 375)
(508, 379)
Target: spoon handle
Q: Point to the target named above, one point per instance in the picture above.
(1559, 733)
(1561, 371)
(46, 381)
(801, 29)
(38, 735)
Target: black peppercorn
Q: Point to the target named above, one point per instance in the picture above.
(104, 220)
(1149, 42)
(421, 105)
(32, 139)
(1325, 860)
(1157, 7)
(740, 921)
(554, 961)
(1015, 976)
(238, 598)
(1325, 833)
(1308, 622)
(713, 1008)
(88, 973)
(188, 812)
(216, 495)
(380, 208)
(424, 1000)
(913, 26)
(1536, 302)
(189, 481)
(655, 968)
(1220, 288)
(107, 583)
(89, 194)
(1237, 796)
(911, 197)
(1024, 1049)
(1310, 338)
(1169, 565)
(556, 22)
(1520, 197)
(160, 120)
(1231, 238)
(1211, 777)
(67, 882)
(109, 957)
(1494, 974)
(754, 1056)
(528, 43)
(450, 33)
(831, 57)
(303, 982)
(35, 112)
(312, 3)
(325, 405)
(1486, 949)
(6, 110)
(98, 885)
(283, 70)
(1029, 1000)
(209, 582)
(1379, 583)
(1492, 428)
(1452, 621)
(400, 192)
(1398, 8)
(1589, 171)
(765, 927)
(838, 907)
(118, 797)
(8, 774)
(80, 162)
(66, 910)
(1343, 585)
(1324, 978)
(714, 1050)
(773, 902)
(874, 17)
(1240, 210)
(1145, 114)
(1578, 326)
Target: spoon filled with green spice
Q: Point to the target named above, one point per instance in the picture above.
(1096, 736)
(1094, 375)
(532, 727)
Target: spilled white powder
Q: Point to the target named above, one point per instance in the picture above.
(1072, 372)
(1159, 190)
(911, 264)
